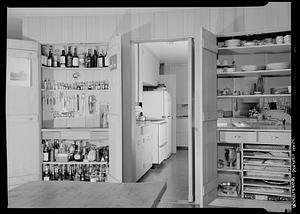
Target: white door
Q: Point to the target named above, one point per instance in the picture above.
(115, 111)
(205, 118)
(170, 82)
(23, 113)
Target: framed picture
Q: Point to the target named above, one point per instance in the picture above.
(19, 71)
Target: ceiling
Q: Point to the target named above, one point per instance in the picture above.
(85, 11)
(169, 52)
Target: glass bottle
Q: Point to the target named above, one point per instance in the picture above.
(69, 58)
(81, 60)
(46, 174)
(55, 58)
(100, 60)
(46, 152)
(95, 59)
(50, 59)
(75, 61)
(89, 59)
(62, 59)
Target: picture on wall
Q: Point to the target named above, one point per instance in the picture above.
(19, 71)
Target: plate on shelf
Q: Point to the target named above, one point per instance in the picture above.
(232, 43)
(278, 65)
(276, 182)
(249, 44)
(249, 67)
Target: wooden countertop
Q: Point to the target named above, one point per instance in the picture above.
(78, 194)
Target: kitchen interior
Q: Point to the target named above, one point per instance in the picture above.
(204, 113)
(163, 100)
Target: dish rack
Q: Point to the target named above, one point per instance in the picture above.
(266, 172)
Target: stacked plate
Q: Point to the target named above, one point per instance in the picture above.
(278, 65)
(249, 67)
(232, 43)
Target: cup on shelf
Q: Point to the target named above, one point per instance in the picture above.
(279, 39)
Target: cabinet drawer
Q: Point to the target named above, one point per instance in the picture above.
(274, 137)
(238, 137)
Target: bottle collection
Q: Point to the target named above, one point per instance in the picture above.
(73, 172)
(84, 85)
(90, 58)
(55, 150)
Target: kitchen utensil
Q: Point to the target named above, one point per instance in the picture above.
(278, 65)
(249, 67)
(228, 187)
(91, 103)
(232, 42)
(235, 105)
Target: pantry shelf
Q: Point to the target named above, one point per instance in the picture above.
(274, 48)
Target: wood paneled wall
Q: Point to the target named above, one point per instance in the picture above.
(274, 16)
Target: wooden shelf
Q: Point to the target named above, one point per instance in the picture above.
(267, 157)
(266, 178)
(59, 68)
(263, 184)
(263, 164)
(256, 49)
(269, 171)
(279, 72)
(74, 162)
(267, 150)
(267, 193)
(253, 96)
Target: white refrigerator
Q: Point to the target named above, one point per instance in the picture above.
(157, 104)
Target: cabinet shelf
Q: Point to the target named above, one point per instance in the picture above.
(267, 157)
(263, 164)
(269, 171)
(59, 68)
(256, 49)
(267, 150)
(74, 162)
(263, 184)
(253, 96)
(267, 193)
(279, 72)
(266, 178)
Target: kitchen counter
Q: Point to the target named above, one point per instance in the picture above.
(286, 128)
(78, 194)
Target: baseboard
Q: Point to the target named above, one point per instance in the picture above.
(182, 147)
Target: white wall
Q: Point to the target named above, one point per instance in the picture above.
(159, 25)
(14, 28)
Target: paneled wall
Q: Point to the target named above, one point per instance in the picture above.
(159, 25)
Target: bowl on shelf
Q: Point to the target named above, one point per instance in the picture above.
(232, 43)
(249, 67)
(278, 65)
(228, 187)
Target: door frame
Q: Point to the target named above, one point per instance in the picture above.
(191, 111)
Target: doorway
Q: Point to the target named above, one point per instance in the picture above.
(174, 74)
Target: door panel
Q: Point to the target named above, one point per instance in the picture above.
(206, 120)
(23, 150)
(115, 112)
